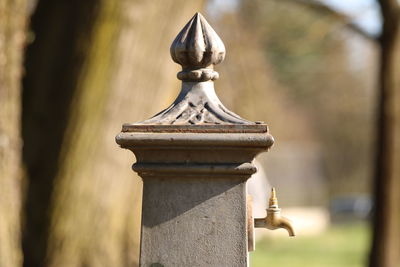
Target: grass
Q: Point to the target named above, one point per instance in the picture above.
(341, 246)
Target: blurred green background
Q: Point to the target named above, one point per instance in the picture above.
(341, 245)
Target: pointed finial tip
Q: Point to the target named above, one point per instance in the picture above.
(198, 15)
(197, 46)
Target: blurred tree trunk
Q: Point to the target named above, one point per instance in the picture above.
(62, 32)
(93, 66)
(13, 14)
(386, 239)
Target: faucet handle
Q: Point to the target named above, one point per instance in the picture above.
(273, 201)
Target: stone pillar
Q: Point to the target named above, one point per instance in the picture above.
(195, 158)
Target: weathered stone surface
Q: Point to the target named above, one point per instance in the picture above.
(194, 198)
(197, 45)
(196, 104)
(194, 222)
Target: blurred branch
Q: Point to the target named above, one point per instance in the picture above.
(343, 18)
(390, 10)
(391, 7)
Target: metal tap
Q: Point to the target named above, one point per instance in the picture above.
(274, 220)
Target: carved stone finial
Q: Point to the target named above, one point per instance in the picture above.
(197, 48)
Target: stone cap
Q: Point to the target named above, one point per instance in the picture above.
(195, 147)
(218, 139)
(217, 128)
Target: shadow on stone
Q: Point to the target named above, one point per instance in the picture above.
(167, 198)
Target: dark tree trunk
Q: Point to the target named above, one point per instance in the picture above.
(62, 32)
(386, 221)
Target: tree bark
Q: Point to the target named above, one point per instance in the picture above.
(94, 65)
(62, 32)
(386, 221)
(13, 14)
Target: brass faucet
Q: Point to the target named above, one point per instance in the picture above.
(274, 220)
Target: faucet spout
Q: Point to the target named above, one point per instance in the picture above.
(274, 220)
(286, 224)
